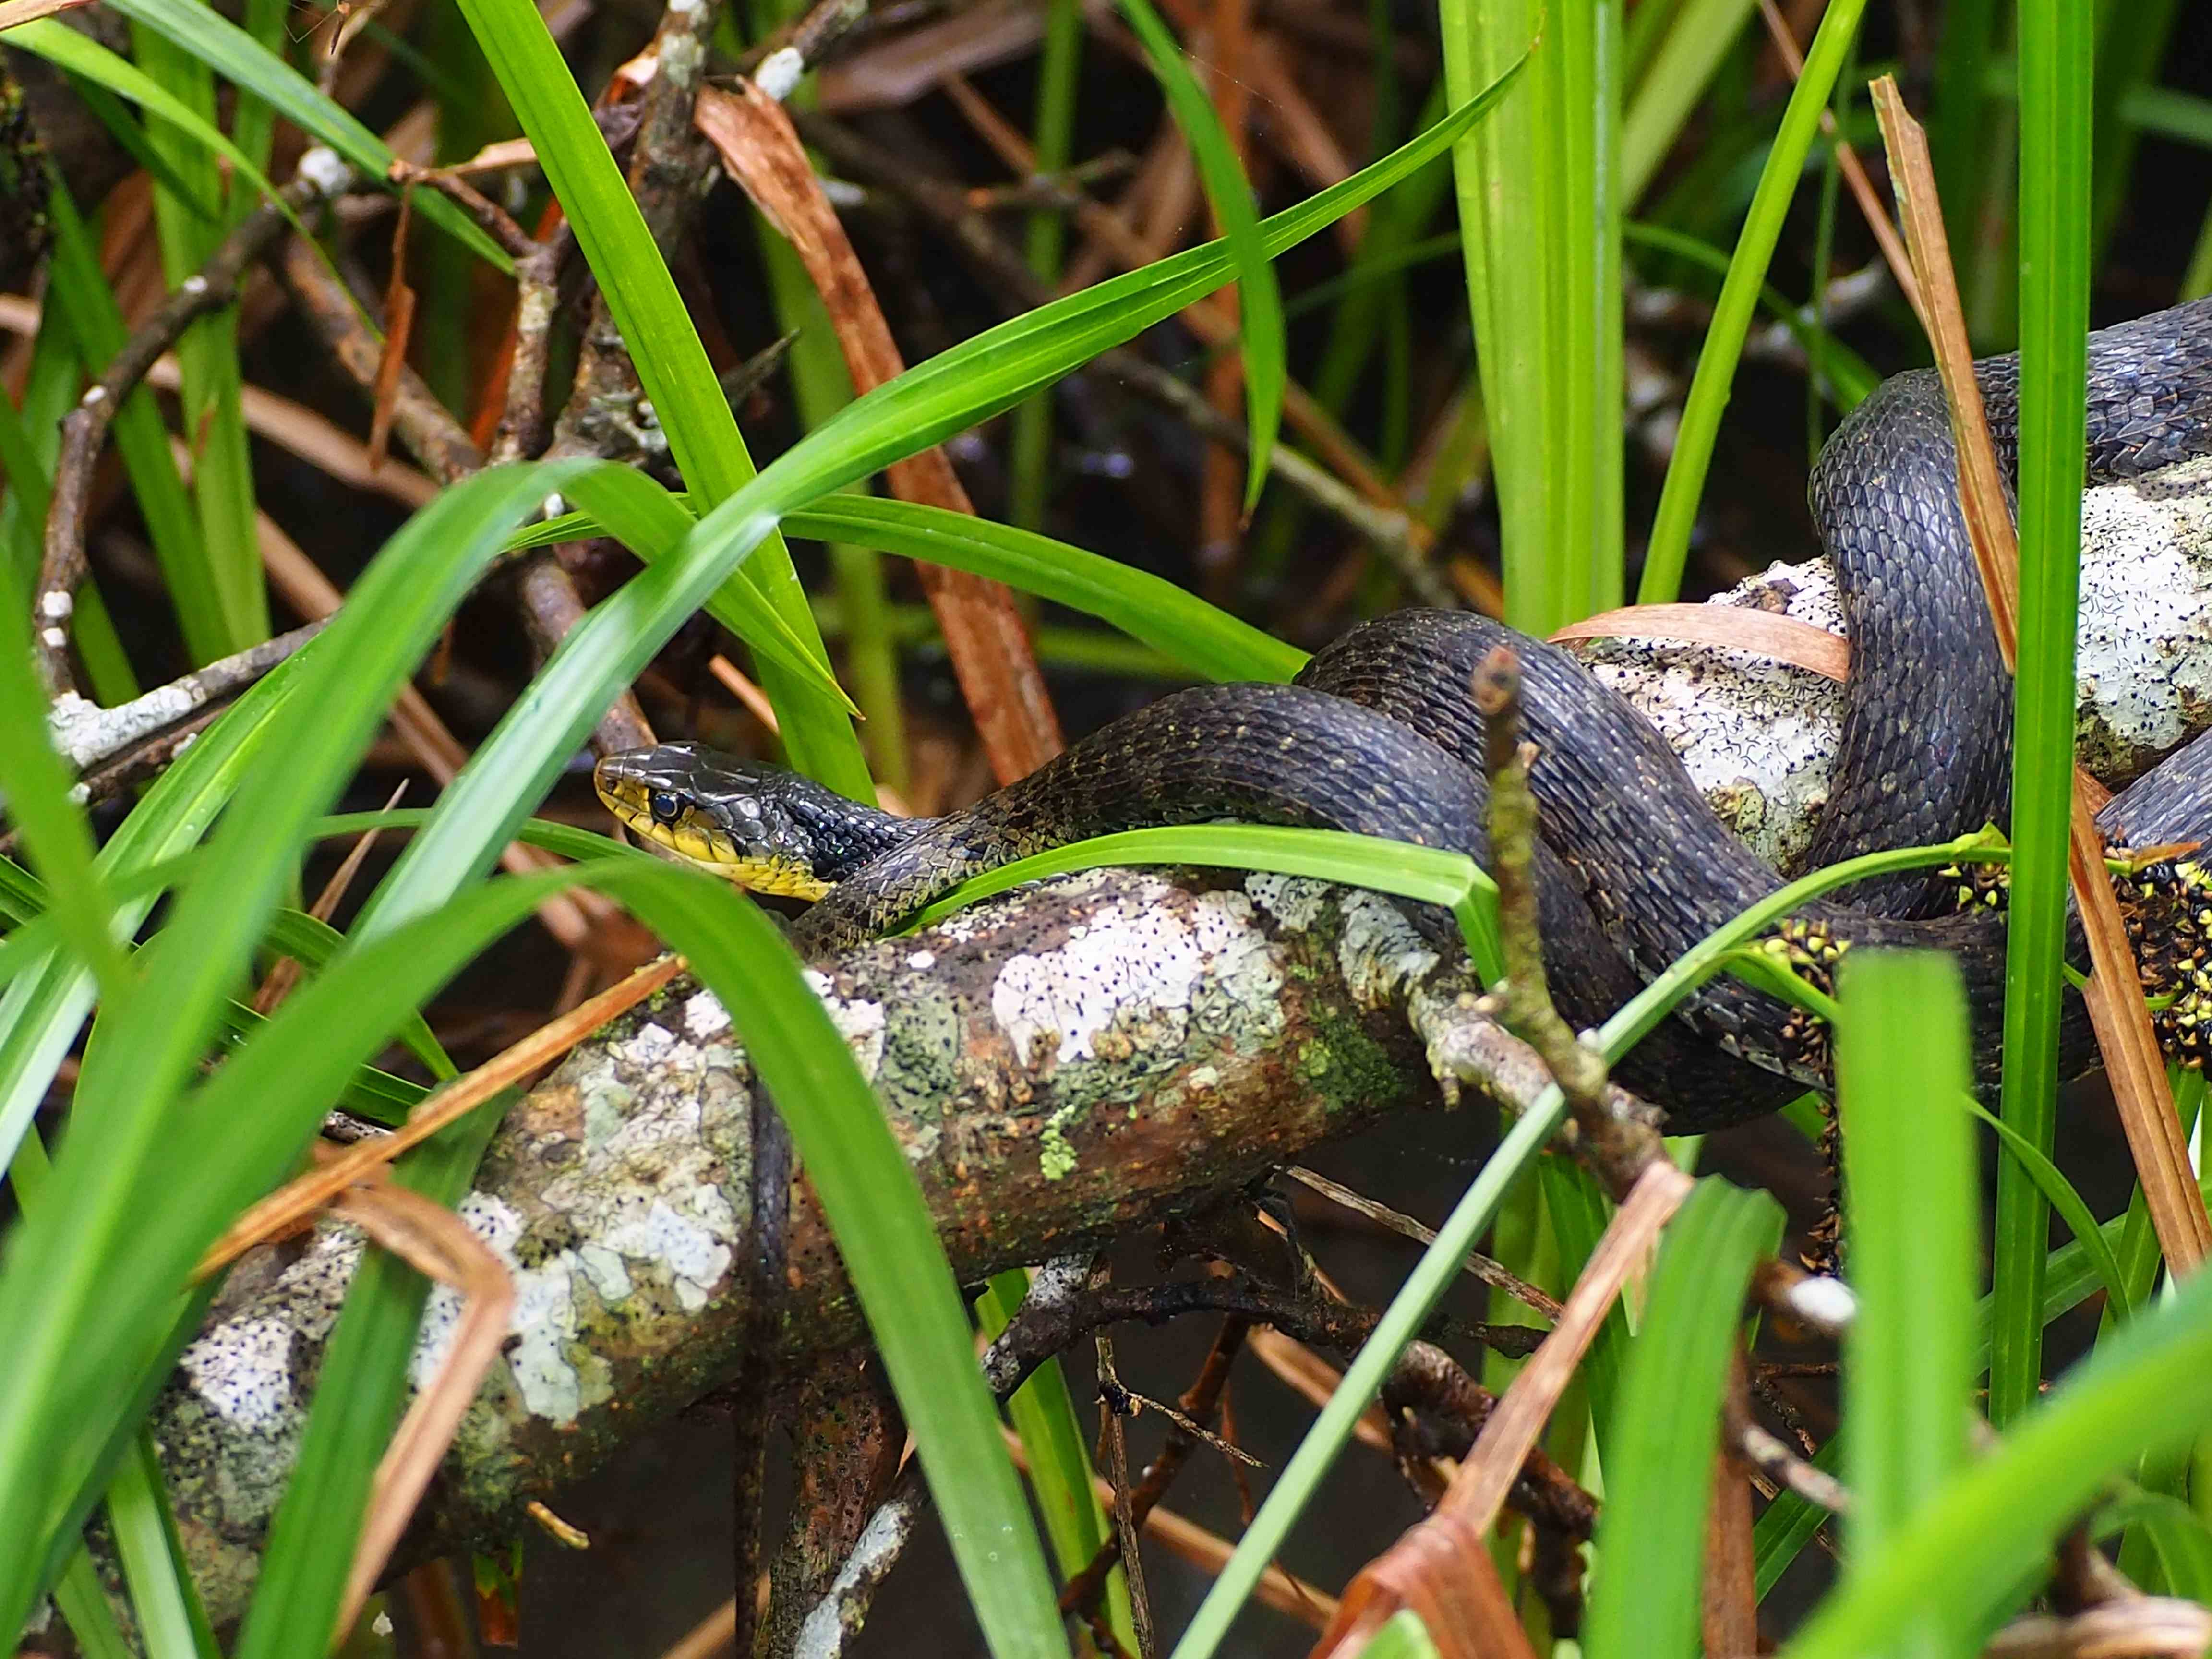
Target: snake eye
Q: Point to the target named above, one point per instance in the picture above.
(665, 806)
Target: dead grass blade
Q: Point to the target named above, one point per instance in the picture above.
(286, 974)
(398, 327)
(1441, 1568)
(983, 632)
(1784, 638)
(16, 12)
(438, 1244)
(319, 1186)
(2133, 1062)
(1313, 1380)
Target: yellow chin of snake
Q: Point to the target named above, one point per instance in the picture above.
(715, 854)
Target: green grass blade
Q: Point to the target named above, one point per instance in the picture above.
(480, 810)
(1042, 1413)
(650, 522)
(672, 364)
(2057, 54)
(1710, 387)
(35, 784)
(1405, 1637)
(1260, 302)
(1911, 1209)
(1201, 637)
(76, 1301)
(2120, 1295)
(1540, 222)
(1671, 81)
(1971, 1549)
(209, 387)
(64, 47)
(241, 59)
(867, 1190)
(1659, 1478)
(1449, 880)
(1842, 373)
(1030, 450)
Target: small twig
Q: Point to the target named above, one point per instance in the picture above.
(419, 421)
(1114, 1443)
(212, 287)
(89, 735)
(1620, 1147)
(1200, 1402)
(778, 64)
(1477, 1266)
(494, 219)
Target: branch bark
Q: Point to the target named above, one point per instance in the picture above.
(1076, 1060)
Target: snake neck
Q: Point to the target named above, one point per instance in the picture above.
(844, 835)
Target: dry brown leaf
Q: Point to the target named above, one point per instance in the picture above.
(1785, 639)
(984, 635)
(398, 327)
(14, 13)
(437, 1243)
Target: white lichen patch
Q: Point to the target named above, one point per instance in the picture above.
(85, 732)
(1127, 970)
(1758, 736)
(704, 1017)
(243, 1371)
(858, 1021)
(1294, 901)
(686, 1248)
(2144, 642)
(1379, 951)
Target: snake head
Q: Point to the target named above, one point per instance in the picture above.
(762, 827)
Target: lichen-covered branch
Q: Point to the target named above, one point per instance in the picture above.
(1079, 1058)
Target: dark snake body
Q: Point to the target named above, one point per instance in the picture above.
(1378, 736)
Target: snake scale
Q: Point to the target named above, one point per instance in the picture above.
(1378, 735)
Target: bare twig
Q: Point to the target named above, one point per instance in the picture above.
(1477, 1266)
(212, 287)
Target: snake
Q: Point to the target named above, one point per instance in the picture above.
(1378, 735)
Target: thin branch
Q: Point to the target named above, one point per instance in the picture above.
(211, 289)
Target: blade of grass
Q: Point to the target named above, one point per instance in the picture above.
(1170, 619)
(1710, 387)
(1659, 1479)
(1540, 222)
(1259, 302)
(1058, 67)
(2057, 54)
(2120, 1296)
(867, 1189)
(1912, 1204)
(1263, 1538)
(1042, 1413)
(86, 308)
(209, 385)
(1974, 1547)
(74, 1301)
(1670, 73)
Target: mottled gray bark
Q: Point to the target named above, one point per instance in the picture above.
(1060, 1067)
